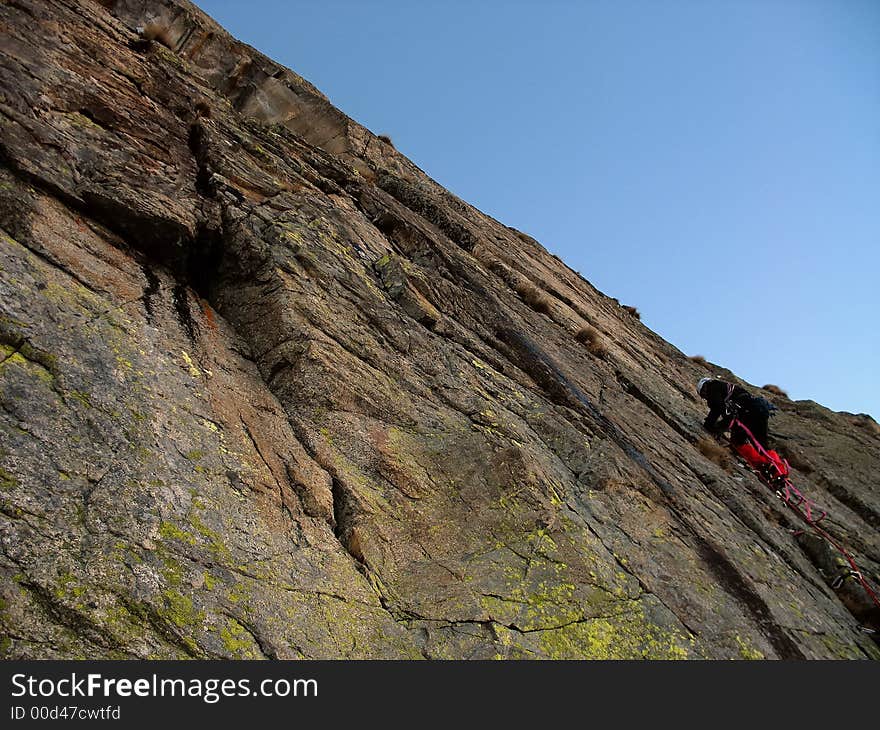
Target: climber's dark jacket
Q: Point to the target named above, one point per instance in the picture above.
(720, 416)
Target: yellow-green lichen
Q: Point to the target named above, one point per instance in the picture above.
(7, 481)
(178, 609)
(36, 369)
(170, 531)
(240, 593)
(212, 538)
(746, 651)
(550, 612)
(624, 636)
(121, 622)
(843, 650)
(66, 587)
(190, 365)
(81, 120)
(81, 396)
(238, 641)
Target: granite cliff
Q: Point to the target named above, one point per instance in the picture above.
(267, 390)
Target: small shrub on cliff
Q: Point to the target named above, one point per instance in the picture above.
(366, 173)
(590, 337)
(491, 262)
(699, 360)
(775, 389)
(158, 33)
(714, 452)
(484, 255)
(386, 139)
(497, 266)
(203, 109)
(632, 310)
(533, 296)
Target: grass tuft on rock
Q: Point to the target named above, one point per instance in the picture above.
(714, 452)
(775, 389)
(590, 337)
(159, 33)
(533, 296)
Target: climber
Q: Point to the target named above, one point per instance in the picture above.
(730, 408)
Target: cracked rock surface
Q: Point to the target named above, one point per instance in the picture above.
(267, 390)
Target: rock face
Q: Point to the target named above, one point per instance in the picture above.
(267, 390)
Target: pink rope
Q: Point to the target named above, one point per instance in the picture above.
(789, 493)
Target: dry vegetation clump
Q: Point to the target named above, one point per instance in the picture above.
(714, 452)
(590, 337)
(364, 171)
(533, 296)
(632, 310)
(157, 32)
(554, 292)
(288, 186)
(699, 360)
(530, 294)
(496, 265)
(775, 389)
(386, 139)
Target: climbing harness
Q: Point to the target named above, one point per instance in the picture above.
(806, 509)
(752, 404)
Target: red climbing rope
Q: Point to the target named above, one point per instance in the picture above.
(803, 507)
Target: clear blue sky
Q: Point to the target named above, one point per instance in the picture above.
(716, 164)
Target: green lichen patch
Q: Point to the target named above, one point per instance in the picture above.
(13, 341)
(746, 651)
(239, 593)
(68, 588)
(170, 531)
(238, 642)
(190, 365)
(179, 612)
(81, 121)
(627, 636)
(179, 609)
(7, 481)
(18, 359)
(212, 539)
